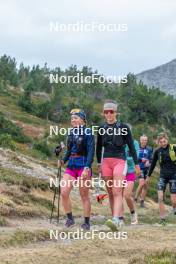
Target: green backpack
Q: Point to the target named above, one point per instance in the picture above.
(172, 152)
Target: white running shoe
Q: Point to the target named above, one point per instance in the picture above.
(134, 219)
(121, 223)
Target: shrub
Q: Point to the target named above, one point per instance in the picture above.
(44, 148)
(8, 128)
(6, 141)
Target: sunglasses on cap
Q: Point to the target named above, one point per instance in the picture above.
(108, 111)
(75, 111)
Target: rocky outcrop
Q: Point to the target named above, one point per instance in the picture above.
(163, 77)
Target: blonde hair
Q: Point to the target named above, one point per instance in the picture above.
(161, 136)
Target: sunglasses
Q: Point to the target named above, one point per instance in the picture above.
(109, 111)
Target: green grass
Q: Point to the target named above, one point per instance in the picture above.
(34, 153)
(17, 199)
(12, 178)
(3, 221)
(21, 237)
(161, 257)
(165, 257)
(16, 203)
(21, 195)
(15, 112)
(38, 201)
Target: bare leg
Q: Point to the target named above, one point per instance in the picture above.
(144, 191)
(161, 204)
(128, 191)
(140, 187)
(118, 189)
(109, 180)
(84, 193)
(173, 200)
(66, 187)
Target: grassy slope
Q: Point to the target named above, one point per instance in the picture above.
(24, 200)
(8, 105)
(24, 234)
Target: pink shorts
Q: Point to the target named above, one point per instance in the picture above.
(131, 177)
(76, 173)
(114, 166)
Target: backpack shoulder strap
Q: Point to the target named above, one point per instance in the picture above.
(172, 152)
(118, 123)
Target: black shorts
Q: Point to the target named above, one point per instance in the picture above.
(144, 174)
(167, 179)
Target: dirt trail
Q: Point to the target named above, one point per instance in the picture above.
(141, 239)
(27, 240)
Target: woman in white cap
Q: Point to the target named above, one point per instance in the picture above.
(111, 157)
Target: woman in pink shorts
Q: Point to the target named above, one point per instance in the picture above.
(130, 180)
(111, 157)
(79, 155)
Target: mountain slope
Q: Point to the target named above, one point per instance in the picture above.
(163, 77)
(25, 227)
(26, 202)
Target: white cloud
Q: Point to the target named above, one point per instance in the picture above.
(25, 33)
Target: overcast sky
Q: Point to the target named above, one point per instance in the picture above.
(149, 41)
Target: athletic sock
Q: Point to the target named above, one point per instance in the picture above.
(87, 220)
(70, 216)
(142, 202)
(121, 218)
(133, 212)
(163, 219)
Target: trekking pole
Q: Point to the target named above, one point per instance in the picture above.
(55, 193)
(59, 193)
(51, 217)
(58, 150)
(58, 179)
